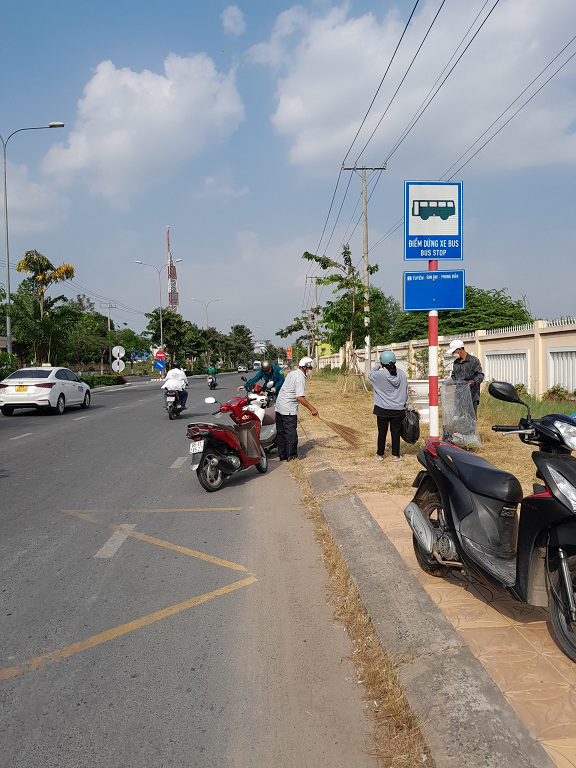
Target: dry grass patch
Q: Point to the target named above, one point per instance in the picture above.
(397, 740)
(365, 474)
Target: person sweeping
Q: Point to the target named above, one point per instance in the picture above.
(391, 398)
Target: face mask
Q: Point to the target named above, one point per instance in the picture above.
(308, 372)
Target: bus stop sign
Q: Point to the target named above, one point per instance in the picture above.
(432, 220)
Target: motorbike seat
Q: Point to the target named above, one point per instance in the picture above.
(480, 476)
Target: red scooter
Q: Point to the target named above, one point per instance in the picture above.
(220, 450)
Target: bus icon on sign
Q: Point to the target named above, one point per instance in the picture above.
(426, 208)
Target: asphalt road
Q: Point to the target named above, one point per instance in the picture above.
(145, 622)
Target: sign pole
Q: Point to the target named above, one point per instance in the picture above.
(433, 364)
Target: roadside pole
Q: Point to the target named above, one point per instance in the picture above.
(433, 364)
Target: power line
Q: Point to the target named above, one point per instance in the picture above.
(381, 81)
(417, 118)
(401, 81)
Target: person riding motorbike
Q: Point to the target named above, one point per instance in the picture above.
(177, 381)
(212, 372)
(268, 372)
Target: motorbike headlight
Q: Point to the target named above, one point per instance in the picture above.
(566, 488)
(568, 432)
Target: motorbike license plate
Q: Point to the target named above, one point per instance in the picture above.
(170, 399)
(197, 446)
(21, 389)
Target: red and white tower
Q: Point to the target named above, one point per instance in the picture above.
(172, 282)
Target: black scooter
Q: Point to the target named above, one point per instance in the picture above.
(465, 515)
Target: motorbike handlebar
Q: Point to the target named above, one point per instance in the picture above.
(500, 428)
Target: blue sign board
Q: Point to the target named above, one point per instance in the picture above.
(433, 290)
(432, 220)
(160, 365)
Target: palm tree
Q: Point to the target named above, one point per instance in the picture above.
(44, 273)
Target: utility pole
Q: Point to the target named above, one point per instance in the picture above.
(109, 306)
(315, 320)
(366, 276)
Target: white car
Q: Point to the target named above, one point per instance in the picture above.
(242, 369)
(43, 387)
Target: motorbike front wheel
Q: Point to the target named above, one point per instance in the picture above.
(429, 503)
(262, 466)
(210, 478)
(564, 628)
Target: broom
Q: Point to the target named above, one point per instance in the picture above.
(352, 436)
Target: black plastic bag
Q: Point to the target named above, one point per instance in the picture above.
(410, 427)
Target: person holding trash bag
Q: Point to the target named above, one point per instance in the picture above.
(391, 398)
(466, 368)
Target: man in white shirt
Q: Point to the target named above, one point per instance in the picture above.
(176, 381)
(289, 398)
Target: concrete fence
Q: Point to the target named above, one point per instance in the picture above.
(538, 355)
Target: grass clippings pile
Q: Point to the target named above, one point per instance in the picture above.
(397, 740)
(363, 473)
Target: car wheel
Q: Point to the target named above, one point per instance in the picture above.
(86, 401)
(7, 410)
(60, 406)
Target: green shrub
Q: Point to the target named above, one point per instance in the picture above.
(103, 380)
(8, 364)
(555, 394)
(522, 391)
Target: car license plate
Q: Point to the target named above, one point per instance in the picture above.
(197, 446)
(170, 399)
(21, 389)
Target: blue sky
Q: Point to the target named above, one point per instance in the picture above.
(230, 123)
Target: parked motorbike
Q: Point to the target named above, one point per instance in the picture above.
(174, 403)
(212, 382)
(220, 450)
(261, 402)
(465, 515)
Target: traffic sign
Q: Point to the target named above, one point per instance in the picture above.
(118, 365)
(160, 365)
(160, 354)
(433, 290)
(118, 351)
(432, 220)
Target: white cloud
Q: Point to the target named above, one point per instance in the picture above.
(233, 20)
(219, 186)
(32, 207)
(331, 64)
(134, 130)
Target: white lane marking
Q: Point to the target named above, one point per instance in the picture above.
(179, 462)
(26, 434)
(115, 541)
(116, 406)
(79, 417)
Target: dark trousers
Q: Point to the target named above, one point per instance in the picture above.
(394, 419)
(287, 432)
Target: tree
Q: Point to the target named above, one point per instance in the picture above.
(307, 323)
(485, 309)
(384, 312)
(347, 279)
(181, 337)
(44, 273)
(241, 344)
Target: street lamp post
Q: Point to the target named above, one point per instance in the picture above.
(206, 305)
(159, 294)
(6, 249)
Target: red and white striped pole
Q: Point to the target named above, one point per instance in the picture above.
(433, 364)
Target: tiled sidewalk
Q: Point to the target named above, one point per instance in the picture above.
(511, 640)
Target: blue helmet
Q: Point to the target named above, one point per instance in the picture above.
(387, 357)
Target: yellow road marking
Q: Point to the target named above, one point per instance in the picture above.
(123, 629)
(160, 543)
(198, 509)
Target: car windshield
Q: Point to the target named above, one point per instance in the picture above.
(31, 373)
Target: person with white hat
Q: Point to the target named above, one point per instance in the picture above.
(466, 368)
(289, 398)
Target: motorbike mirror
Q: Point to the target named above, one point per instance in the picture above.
(269, 384)
(501, 390)
(210, 400)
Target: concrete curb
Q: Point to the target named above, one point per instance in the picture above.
(465, 719)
